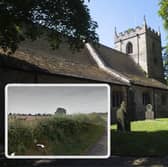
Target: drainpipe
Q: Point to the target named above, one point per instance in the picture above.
(138, 46)
(154, 104)
(120, 45)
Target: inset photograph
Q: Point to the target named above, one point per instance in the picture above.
(57, 121)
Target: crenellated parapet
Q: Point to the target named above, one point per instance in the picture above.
(143, 45)
(132, 32)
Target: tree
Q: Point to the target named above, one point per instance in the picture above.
(59, 20)
(60, 111)
(163, 12)
(165, 64)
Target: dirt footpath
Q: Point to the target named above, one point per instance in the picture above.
(100, 148)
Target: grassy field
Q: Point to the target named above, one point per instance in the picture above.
(147, 138)
(65, 135)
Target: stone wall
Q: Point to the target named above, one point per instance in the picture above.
(154, 58)
(158, 99)
(161, 103)
(140, 108)
(123, 89)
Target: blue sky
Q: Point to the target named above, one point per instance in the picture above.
(124, 14)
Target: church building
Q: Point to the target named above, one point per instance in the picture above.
(133, 69)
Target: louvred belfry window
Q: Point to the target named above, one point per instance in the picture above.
(129, 48)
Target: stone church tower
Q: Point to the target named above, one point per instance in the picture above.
(143, 44)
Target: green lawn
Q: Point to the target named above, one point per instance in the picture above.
(147, 138)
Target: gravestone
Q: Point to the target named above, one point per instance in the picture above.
(149, 114)
(60, 111)
(123, 122)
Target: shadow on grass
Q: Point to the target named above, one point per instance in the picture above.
(139, 143)
(116, 161)
(135, 144)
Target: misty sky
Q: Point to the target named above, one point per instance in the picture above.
(48, 99)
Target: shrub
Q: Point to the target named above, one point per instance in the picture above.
(20, 137)
(61, 135)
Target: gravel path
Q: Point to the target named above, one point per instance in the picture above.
(100, 148)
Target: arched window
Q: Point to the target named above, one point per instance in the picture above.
(129, 48)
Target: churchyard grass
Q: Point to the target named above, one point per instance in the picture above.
(147, 138)
(61, 135)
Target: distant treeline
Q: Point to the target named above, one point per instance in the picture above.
(45, 114)
(36, 114)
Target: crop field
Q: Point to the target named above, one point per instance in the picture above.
(59, 135)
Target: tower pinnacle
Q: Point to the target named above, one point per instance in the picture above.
(115, 31)
(145, 23)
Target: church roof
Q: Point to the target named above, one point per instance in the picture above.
(32, 57)
(124, 64)
(64, 61)
(119, 61)
(148, 82)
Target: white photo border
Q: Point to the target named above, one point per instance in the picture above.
(59, 156)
